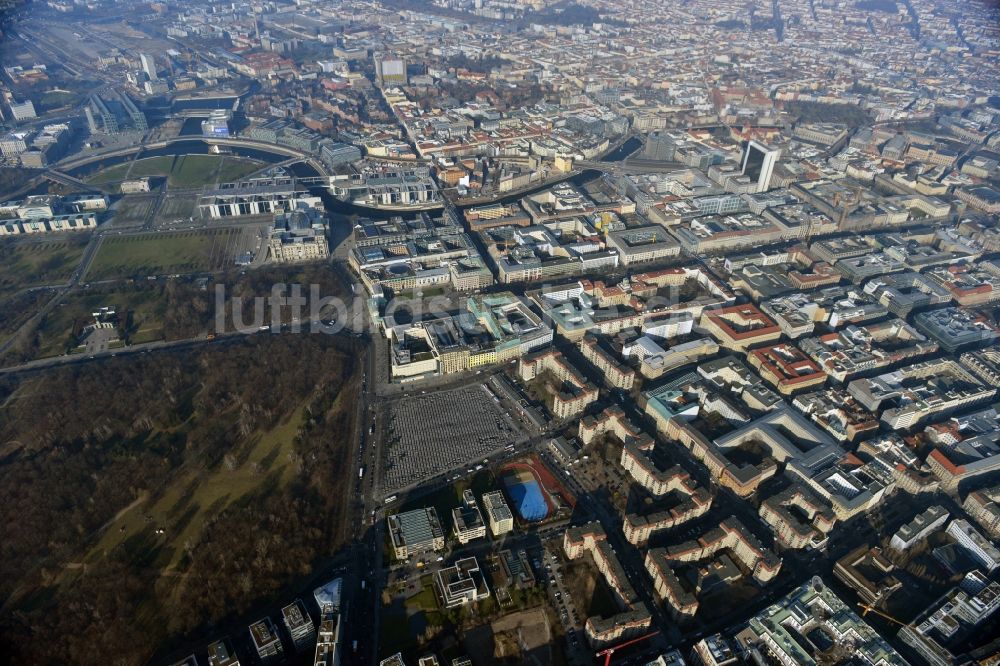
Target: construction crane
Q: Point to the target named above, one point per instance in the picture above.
(868, 608)
(607, 652)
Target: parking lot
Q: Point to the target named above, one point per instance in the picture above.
(431, 434)
(564, 604)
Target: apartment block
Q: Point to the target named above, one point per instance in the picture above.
(615, 374)
(633, 619)
(922, 526)
(798, 517)
(573, 394)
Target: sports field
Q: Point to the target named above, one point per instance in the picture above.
(526, 493)
(168, 253)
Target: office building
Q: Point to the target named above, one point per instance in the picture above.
(299, 624)
(22, 111)
(217, 124)
(415, 532)
(328, 637)
(857, 349)
(869, 573)
(148, 65)
(956, 328)
(257, 197)
(739, 327)
(644, 244)
(918, 392)
(461, 584)
(978, 547)
(493, 328)
(716, 650)
(390, 71)
(782, 630)
(468, 520)
(965, 447)
(758, 164)
(15, 143)
(112, 112)
(939, 631)
(335, 154)
(983, 506)
(299, 235)
(221, 653)
(498, 514)
(786, 368)
(266, 640)
(922, 526)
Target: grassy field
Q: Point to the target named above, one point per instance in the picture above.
(163, 253)
(109, 175)
(26, 264)
(54, 99)
(403, 617)
(153, 166)
(15, 311)
(176, 207)
(234, 168)
(132, 210)
(194, 170)
(182, 171)
(150, 166)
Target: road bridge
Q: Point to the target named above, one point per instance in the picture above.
(65, 179)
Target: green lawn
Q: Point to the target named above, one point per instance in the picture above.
(234, 168)
(176, 207)
(16, 310)
(180, 171)
(109, 175)
(132, 209)
(54, 99)
(162, 253)
(149, 166)
(194, 170)
(152, 166)
(30, 263)
(425, 599)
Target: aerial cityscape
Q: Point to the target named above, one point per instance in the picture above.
(500, 332)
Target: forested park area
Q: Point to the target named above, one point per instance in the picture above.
(145, 498)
